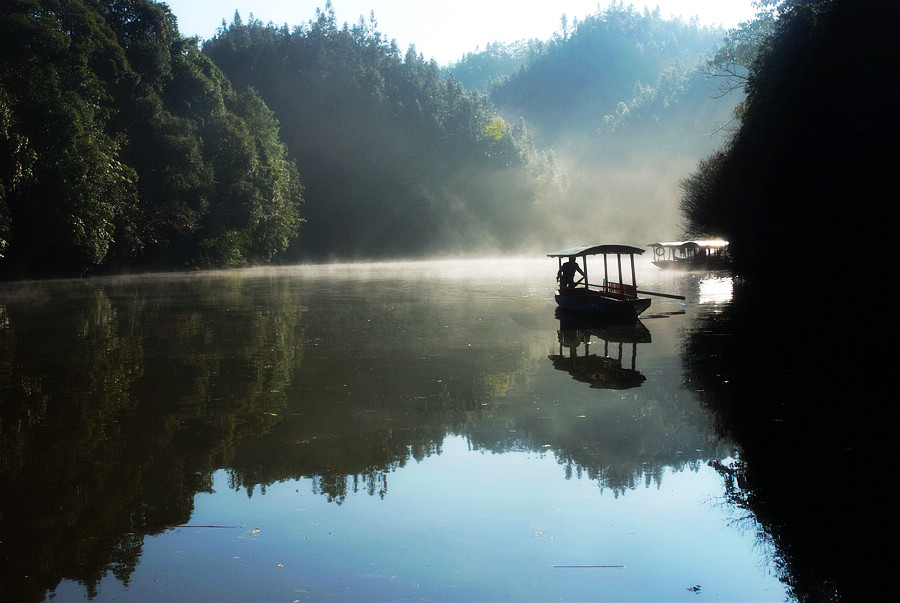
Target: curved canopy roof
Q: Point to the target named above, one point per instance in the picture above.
(596, 249)
(708, 243)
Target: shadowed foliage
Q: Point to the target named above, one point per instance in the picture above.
(124, 146)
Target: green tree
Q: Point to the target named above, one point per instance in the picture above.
(223, 193)
(258, 215)
(123, 145)
(15, 166)
(64, 212)
(393, 153)
(481, 69)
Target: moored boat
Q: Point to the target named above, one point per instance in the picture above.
(706, 254)
(611, 298)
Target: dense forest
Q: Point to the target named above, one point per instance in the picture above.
(122, 146)
(126, 146)
(395, 158)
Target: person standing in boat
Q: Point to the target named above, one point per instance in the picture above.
(567, 272)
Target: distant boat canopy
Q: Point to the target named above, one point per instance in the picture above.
(708, 243)
(700, 254)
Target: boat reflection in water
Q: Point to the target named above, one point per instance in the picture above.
(604, 371)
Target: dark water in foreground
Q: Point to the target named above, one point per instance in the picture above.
(421, 431)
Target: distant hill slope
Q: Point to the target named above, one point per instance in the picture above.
(623, 104)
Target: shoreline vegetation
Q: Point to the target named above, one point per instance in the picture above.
(126, 147)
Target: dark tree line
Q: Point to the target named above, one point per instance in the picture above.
(795, 367)
(122, 145)
(806, 171)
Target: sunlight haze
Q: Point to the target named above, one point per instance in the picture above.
(440, 29)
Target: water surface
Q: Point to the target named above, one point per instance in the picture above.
(415, 431)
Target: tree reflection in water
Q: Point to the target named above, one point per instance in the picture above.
(117, 403)
(803, 398)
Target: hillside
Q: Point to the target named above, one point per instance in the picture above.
(125, 146)
(624, 101)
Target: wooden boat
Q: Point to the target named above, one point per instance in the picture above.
(708, 254)
(611, 298)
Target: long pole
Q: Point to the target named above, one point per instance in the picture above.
(670, 295)
(660, 294)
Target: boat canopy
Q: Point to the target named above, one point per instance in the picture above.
(583, 250)
(608, 286)
(705, 243)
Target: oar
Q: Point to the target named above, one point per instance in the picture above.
(648, 292)
(660, 294)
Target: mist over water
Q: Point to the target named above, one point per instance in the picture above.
(626, 189)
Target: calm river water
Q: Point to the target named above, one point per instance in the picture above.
(379, 432)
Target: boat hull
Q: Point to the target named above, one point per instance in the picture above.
(601, 304)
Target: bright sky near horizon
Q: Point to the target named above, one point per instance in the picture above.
(443, 29)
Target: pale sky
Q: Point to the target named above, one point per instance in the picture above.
(443, 29)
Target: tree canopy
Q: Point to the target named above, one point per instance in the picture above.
(598, 62)
(123, 145)
(396, 158)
